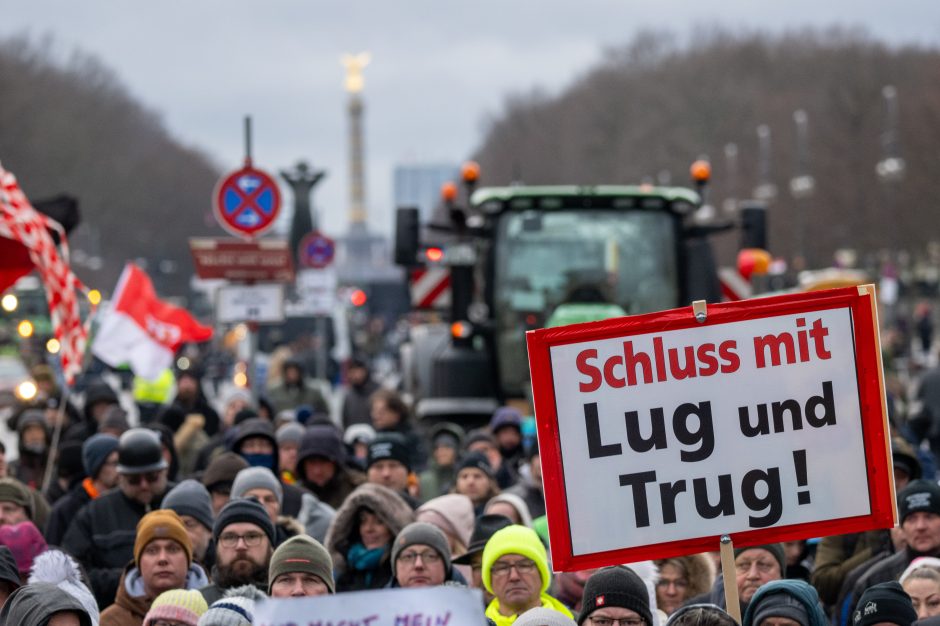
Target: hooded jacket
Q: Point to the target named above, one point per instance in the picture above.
(797, 589)
(132, 602)
(33, 605)
(699, 572)
(390, 508)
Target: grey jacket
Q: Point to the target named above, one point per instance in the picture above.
(33, 605)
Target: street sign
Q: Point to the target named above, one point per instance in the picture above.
(317, 290)
(763, 420)
(316, 250)
(250, 303)
(246, 202)
(263, 260)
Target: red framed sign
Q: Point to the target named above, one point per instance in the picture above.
(659, 433)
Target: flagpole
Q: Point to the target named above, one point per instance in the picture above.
(56, 435)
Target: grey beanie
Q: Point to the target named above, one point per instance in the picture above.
(780, 605)
(291, 432)
(95, 452)
(540, 616)
(422, 533)
(191, 497)
(257, 478)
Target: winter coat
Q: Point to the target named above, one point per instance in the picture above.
(289, 397)
(101, 538)
(315, 516)
(838, 555)
(797, 589)
(98, 391)
(335, 492)
(132, 602)
(357, 405)
(33, 605)
(202, 407)
(64, 512)
(437, 480)
(548, 602)
(389, 507)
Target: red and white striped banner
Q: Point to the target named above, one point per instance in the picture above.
(430, 287)
(20, 222)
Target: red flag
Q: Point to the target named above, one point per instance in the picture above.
(141, 329)
(20, 222)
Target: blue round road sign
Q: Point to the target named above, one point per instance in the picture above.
(247, 202)
(316, 250)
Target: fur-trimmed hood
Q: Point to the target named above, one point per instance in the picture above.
(699, 570)
(390, 507)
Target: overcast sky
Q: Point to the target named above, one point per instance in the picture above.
(438, 68)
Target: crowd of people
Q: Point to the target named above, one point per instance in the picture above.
(192, 516)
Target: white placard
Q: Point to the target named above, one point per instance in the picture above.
(434, 606)
(250, 303)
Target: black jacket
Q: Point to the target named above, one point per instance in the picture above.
(102, 538)
(64, 511)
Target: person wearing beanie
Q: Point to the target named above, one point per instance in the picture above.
(236, 608)
(301, 566)
(615, 593)
(101, 536)
(388, 464)
(476, 480)
(795, 600)
(439, 477)
(421, 558)
(244, 542)
(506, 426)
(883, 604)
(220, 475)
(191, 400)
(192, 502)
(288, 439)
(16, 504)
(25, 542)
(99, 460)
(919, 518)
(321, 463)
(360, 539)
(390, 415)
(69, 471)
(33, 446)
(178, 606)
(515, 570)
(295, 390)
(540, 616)
(58, 568)
(162, 561)
(360, 386)
(482, 440)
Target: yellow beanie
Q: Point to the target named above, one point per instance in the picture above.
(515, 540)
(181, 605)
(161, 524)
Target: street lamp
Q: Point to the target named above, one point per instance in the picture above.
(890, 168)
(765, 190)
(802, 184)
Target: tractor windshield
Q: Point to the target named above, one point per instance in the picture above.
(547, 258)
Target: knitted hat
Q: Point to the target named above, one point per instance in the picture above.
(25, 542)
(478, 461)
(919, 495)
(95, 452)
(115, 418)
(452, 513)
(58, 568)
(884, 602)
(515, 540)
(247, 510)
(161, 524)
(302, 553)
(358, 433)
(292, 432)
(322, 441)
(190, 497)
(506, 416)
(422, 533)
(236, 608)
(182, 605)
(478, 435)
(389, 446)
(775, 549)
(541, 616)
(780, 605)
(12, 490)
(615, 586)
(69, 464)
(257, 478)
(484, 528)
(223, 470)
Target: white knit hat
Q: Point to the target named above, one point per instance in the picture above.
(58, 568)
(541, 616)
(235, 609)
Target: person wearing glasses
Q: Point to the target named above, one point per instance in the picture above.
(244, 539)
(615, 596)
(421, 558)
(754, 567)
(515, 571)
(301, 567)
(163, 560)
(101, 537)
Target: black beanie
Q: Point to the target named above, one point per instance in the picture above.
(884, 603)
(389, 446)
(246, 510)
(615, 586)
(476, 460)
(775, 549)
(919, 495)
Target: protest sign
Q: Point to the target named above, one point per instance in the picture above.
(432, 606)
(659, 433)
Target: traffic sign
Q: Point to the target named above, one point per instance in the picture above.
(246, 202)
(250, 303)
(316, 250)
(266, 260)
(430, 287)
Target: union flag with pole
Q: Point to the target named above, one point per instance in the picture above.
(22, 223)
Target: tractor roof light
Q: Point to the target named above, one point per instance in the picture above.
(701, 171)
(461, 330)
(448, 192)
(470, 172)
